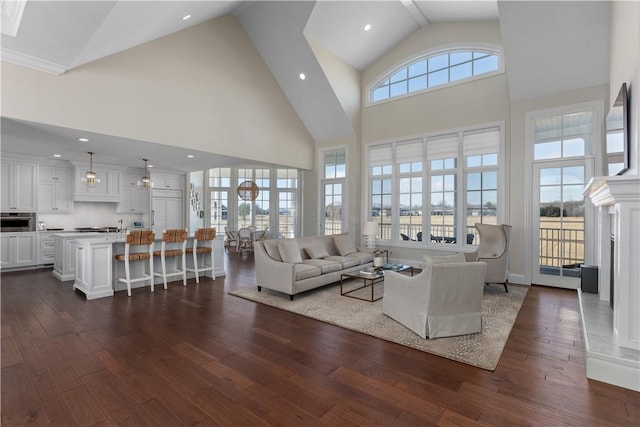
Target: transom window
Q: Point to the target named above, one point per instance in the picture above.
(435, 70)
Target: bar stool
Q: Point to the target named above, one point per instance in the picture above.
(132, 239)
(172, 238)
(203, 235)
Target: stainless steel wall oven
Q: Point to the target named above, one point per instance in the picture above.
(17, 221)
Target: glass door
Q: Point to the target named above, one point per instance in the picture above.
(559, 222)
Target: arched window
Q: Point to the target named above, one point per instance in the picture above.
(436, 69)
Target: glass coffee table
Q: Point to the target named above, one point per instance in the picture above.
(369, 278)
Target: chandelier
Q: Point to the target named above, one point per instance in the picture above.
(145, 182)
(91, 178)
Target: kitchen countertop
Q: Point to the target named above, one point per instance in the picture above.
(77, 234)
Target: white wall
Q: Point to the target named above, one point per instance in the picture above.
(204, 88)
(625, 67)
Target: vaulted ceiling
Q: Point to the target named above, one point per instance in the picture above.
(549, 46)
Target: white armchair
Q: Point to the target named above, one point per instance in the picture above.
(443, 300)
(494, 250)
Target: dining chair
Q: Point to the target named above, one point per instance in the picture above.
(231, 238)
(245, 239)
(260, 235)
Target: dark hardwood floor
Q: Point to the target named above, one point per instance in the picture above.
(197, 356)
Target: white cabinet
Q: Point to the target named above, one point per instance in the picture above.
(64, 265)
(93, 268)
(18, 191)
(132, 198)
(54, 189)
(107, 190)
(18, 250)
(167, 210)
(46, 247)
(163, 181)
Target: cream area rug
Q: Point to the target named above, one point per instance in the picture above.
(483, 350)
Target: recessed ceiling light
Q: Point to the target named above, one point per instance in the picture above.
(302, 76)
(57, 155)
(190, 156)
(184, 18)
(367, 27)
(149, 166)
(83, 140)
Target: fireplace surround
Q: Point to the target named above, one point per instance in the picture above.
(612, 342)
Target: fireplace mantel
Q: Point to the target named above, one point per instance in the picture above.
(609, 190)
(618, 201)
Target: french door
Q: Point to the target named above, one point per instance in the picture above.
(558, 235)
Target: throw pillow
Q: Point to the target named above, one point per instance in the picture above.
(316, 252)
(430, 259)
(344, 244)
(289, 251)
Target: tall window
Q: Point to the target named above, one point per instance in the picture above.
(245, 207)
(481, 150)
(287, 187)
(219, 184)
(442, 153)
(409, 160)
(380, 187)
(436, 70)
(261, 204)
(333, 184)
(433, 190)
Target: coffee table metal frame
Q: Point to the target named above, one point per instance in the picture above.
(367, 280)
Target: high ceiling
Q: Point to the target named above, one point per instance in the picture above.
(56, 36)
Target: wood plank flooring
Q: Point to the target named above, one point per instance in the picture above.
(196, 356)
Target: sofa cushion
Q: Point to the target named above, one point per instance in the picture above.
(304, 271)
(345, 261)
(289, 251)
(325, 266)
(271, 246)
(316, 251)
(443, 259)
(361, 257)
(344, 244)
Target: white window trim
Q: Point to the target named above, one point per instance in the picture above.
(596, 154)
(490, 47)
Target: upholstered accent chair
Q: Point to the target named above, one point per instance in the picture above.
(444, 300)
(493, 249)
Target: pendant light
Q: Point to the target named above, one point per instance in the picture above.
(145, 182)
(91, 178)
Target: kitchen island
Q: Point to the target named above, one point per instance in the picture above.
(64, 262)
(94, 265)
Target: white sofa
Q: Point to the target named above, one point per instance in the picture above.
(292, 266)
